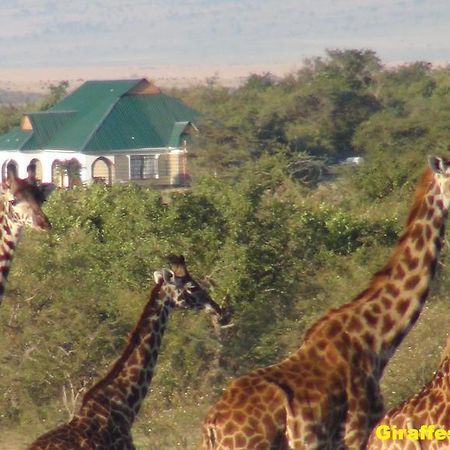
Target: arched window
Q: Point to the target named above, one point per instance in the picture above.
(9, 163)
(66, 173)
(34, 171)
(57, 173)
(102, 171)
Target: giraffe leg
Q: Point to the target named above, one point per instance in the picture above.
(364, 409)
(299, 438)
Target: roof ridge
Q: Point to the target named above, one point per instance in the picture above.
(110, 108)
(49, 111)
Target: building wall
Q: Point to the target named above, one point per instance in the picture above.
(171, 165)
(122, 167)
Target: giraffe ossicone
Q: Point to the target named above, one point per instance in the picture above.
(327, 394)
(109, 408)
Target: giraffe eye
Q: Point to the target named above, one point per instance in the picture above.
(13, 202)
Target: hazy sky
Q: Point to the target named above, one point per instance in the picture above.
(39, 33)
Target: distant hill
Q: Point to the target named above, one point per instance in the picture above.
(8, 97)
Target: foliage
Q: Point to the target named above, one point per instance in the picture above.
(273, 225)
(10, 114)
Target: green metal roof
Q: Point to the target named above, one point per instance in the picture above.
(177, 130)
(103, 116)
(14, 140)
(141, 121)
(46, 125)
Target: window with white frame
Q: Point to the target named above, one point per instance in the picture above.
(143, 166)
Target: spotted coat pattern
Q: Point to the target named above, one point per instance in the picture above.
(109, 408)
(431, 406)
(326, 395)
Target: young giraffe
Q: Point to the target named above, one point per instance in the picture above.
(109, 408)
(430, 407)
(327, 394)
(20, 206)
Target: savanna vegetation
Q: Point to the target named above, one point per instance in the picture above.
(274, 224)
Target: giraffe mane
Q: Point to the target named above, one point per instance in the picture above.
(381, 276)
(133, 341)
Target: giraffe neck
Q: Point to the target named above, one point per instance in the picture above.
(119, 395)
(379, 318)
(401, 288)
(9, 236)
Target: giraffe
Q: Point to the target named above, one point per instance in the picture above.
(429, 408)
(108, 409)
(327, 394)
(20, 206)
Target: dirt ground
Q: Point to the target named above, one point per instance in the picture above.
(13, 441)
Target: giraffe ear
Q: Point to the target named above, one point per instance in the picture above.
(438, 164)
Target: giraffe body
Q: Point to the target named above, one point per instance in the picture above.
(109, 408)
(430, 407)
(326, 395)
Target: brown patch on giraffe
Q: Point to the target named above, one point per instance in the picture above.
(440, 204)
(412, 282)
(420, 243)
(430, 213)
(417, 231)
(437, 222)
(369, 340)
(371, 319)
(428, 232)
(10, 244)
(228, 442)
(312, 353)
(239, 416)
(376, 309)
(334, 329)
(392, 290)
(400, 272)
(387, 303)
(413, 263)
(342, 348)
(354, 324)
(230, 428)
(402, 306)
(240, 440)
(388, 324)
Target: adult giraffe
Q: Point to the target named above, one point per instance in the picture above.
(412, 425)
(20, 206)
(327, 394)
(109, 408)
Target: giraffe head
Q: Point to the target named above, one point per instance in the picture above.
(182, 290)
(441, 169)
(22, 203)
